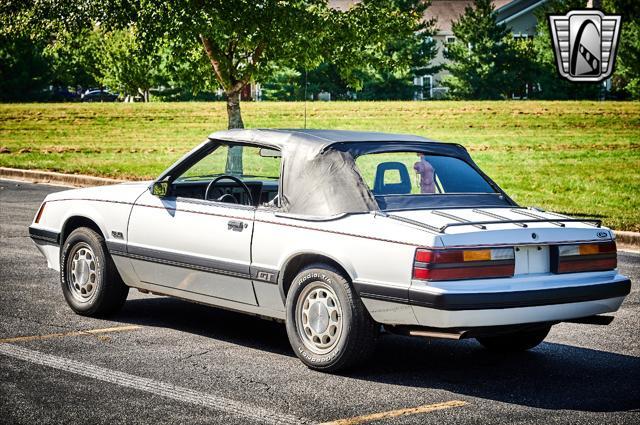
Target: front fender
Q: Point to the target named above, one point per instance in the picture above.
(108, 216)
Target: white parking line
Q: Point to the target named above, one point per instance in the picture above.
(163, 389)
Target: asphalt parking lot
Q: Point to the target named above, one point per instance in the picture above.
(162, 360)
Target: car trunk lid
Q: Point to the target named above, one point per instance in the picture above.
(469, 227)
(531, 233)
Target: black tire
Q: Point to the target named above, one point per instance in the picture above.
(107, 292)
(358, 332)
(517, 341)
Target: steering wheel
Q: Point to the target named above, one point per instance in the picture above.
(227, 196)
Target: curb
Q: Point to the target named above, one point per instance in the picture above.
(624, 238)
(76, 180)
(630, 239)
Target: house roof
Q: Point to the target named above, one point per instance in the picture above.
(516, 8)
(448, 11)
(342, 5)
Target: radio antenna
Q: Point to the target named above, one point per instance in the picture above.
(305, 98)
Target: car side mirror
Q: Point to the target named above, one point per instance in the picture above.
(160, 189)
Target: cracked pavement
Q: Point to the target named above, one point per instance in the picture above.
(581, 374)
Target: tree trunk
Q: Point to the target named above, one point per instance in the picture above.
(144, 93)
(233, 110)
(224, 74)
(234, 157)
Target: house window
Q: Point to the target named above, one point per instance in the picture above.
(522, 36)
(448, 40)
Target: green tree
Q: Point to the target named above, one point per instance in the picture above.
(127, 65)
(551, 85)
(324, 78)
(75, 58)
(522, 67)
(240, 38)
(383, 73)
(384, 85)
(244, 40)
(626, 78)
(283, 84)
(413, 56)
(24, 69)
(480, 56)
(187, 73)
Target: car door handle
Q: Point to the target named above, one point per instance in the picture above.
(236, 226)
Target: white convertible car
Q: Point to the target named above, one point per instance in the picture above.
(339, 234)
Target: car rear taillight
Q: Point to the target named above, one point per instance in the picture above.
(39, 214)
(584, 257)
(455, 264)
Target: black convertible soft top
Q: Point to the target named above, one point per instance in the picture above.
(319, 140)
(319, 175)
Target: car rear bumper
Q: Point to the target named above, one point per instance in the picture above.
(425, 305)
(453, 301)
(513, 316)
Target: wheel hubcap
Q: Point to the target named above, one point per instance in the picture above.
(319, 318)
(82, 273)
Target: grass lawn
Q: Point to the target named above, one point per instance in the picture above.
(571, 157)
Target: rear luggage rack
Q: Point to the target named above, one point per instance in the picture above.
(461, 221)
(532, 215)
(413, 222)
(596, 223)
(534, 218)
(496, 216)
(566, 215)
(499, 220)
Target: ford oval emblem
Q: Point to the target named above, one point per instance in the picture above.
(602, 235)
(534, 236)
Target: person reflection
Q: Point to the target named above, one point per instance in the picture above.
(425, 175)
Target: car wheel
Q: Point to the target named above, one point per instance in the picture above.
(517, 341)
(328, 326)
(90, 282)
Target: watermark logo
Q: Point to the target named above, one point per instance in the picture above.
(585, 43)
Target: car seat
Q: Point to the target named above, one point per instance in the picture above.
(402, 188)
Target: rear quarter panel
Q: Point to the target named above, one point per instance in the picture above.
(372, 249)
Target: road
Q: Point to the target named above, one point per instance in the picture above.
(162, 360)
